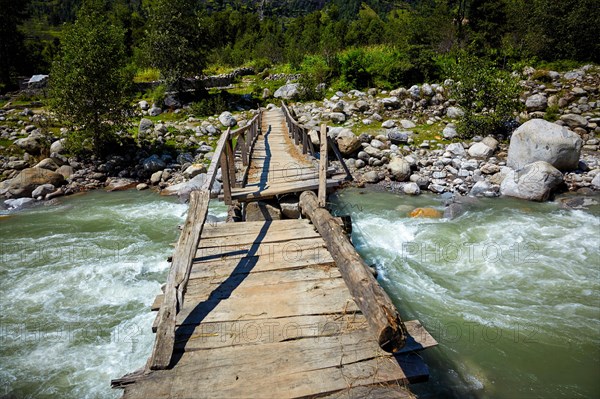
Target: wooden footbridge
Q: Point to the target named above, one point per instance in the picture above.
(275, 308)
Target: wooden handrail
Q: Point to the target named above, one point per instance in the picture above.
(189, 239)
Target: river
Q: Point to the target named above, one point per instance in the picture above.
(510, 290)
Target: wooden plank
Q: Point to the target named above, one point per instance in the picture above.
(323, 168)
(214, 163)
(223, 229)
(266, 236)
(371, 298)
(244, 194)
(225, 177)
(180, 270)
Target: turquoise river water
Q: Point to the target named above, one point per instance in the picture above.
(511, 290)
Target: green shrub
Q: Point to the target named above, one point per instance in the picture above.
(489, 97)
(552, 113)
(147, 75)
(214, 104)
(157, 94)
(313, 71)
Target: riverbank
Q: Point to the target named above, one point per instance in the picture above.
(405, 140)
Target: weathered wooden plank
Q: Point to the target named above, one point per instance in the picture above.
(263, 237)
(223, 229)
(244, 194)
(180, 269)
(371, 298)
(214, 163)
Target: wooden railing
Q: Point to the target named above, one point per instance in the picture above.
(241, 140)
(300, 134)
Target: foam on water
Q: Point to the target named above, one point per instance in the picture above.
(508, 288)
(77, 282)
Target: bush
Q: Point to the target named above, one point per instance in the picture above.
(157, 94)
(215, 104)
(313, 72)
(147, 75)
(489, 97)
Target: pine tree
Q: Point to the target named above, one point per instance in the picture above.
(88, 81)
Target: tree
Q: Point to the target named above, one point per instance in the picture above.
(174, 40)
(12, 13)
(88, 81)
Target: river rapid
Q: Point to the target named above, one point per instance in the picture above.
(510, 290)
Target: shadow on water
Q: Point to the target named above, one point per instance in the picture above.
(222, 292)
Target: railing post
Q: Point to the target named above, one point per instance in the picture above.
(323, 167)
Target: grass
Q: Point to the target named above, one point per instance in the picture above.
(167, 117)
(147, 75)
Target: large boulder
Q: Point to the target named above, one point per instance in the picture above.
(153, 164)
(347, 142)
(29, 179)
(227, 119)
(58, 147)
(399, 169)
(184, 189)
(31, 144)
(287, 92)
(539, 140)
(534, 182)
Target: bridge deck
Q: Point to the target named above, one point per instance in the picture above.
(276, 165)
(267, 314)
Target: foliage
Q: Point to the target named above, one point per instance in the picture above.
(11, 43)
(212, 105)
(314, 71)
(488, 95)
(146, 75)
(552, 113)
(157, 94)
(88, 81)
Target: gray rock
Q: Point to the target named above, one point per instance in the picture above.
(480, 151)
(261, 210)
(347, 142)
(411, 189)
(480, 189)
(154, 111)
(144, 106)
(17, 165)
(537, 102)
(42, 190)
(390, 102)
(371, 177)
(288, 92)
(399, 169)
(31, 144)
(120, 184)
(361, 106)
(156, 177)
(534, 182)
(28, 179)
(388, 124)
(172, 102)
(491, 142)
(38, 81)
(456, 149)
(58, 146)
(314, 137)
(539, 140)
(397, 137)
(141, 186)
(406, 124)
(153, 164)
(47, 163)
(454, 112)
(574, 120)
(227, 119)
(194, 170)
(449, 132)
(596, 182)
(66, 171)
(373, 152)
(337, 117)
(184, 189)
(290, 207)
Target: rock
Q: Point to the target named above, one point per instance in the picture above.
(37, 81)
(314, 137)
(539, 140)
(574, 120)
(266, 93)
(347, 142)
(491, 142)
(66, 171)
(172, 102)
(454, 112)
(28, 179)
(374, 152)
(287, 92)
(371, 177)
(399, 169)
(534, 182)
(47, 163)
(17, 165)
(361, 106)
(337, 117)
(156, 177)
(120, 184)
(480, 189)
(388, 124)
(227, 119)
(144, 106)
(397, 137)
(406, 124)
(390, 102)
(145, 126)
(456, 149)
(411, 189)
(194, 170)
(454, 210)
(480, 151)
(290, 207)
(42, 190)
(141, 186)
(154, 111)
(596, 182)
(153, 164)
(31, 144)
(425, 213)
(58, 147)
(261, 210)
(449, 132)
(18, 203)
(537, 102)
